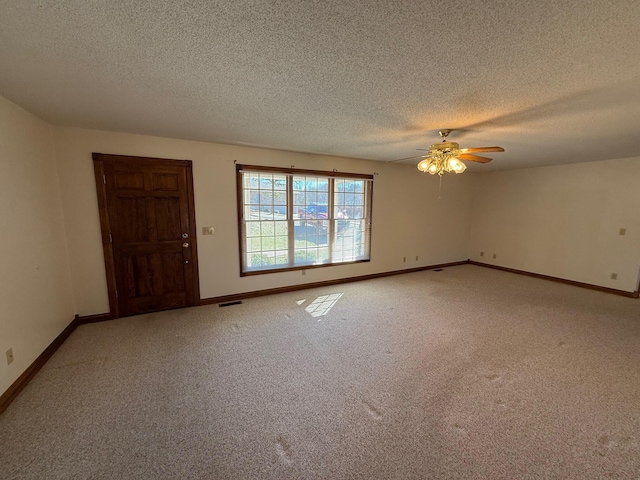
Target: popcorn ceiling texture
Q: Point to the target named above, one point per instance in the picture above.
(552, 81)
(467, 373)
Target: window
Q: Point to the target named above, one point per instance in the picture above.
(293, 219)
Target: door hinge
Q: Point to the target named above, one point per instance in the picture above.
(110, 239)
(104, 179)
(116, 293)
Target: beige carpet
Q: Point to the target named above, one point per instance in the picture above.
(461, 374)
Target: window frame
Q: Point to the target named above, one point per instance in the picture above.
(241, 169)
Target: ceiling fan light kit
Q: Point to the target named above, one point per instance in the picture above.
(439, 165)
(446, 156)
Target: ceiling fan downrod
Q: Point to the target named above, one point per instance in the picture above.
(444, 134)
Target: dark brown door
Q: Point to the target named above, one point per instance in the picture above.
(148, 227)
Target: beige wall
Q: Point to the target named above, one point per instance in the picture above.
(562, 221)
(35, 285)
(408, 218)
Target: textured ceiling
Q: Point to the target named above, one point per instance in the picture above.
(551, 81)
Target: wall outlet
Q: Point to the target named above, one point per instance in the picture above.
(10, 356)
(208, 231)
(404, 259)
(614, 276)
(622, 231)
(304, 272)
(494, 255)
(416, 258)
(482, 254)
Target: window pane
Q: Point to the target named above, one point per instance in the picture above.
(252, 229)
(266, 228)
(280, 182)
(281, 228)
(282, 257)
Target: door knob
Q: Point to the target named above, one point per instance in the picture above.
(185, 244)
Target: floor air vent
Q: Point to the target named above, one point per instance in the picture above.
(228, 304)
(438, 269)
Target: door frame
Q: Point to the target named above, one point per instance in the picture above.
(99, 160)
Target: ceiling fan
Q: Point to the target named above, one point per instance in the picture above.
(447, 156)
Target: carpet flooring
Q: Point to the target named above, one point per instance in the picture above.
(467, 373)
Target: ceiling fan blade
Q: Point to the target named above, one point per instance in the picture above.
(474, 158)
(482, 149)
(407, 158)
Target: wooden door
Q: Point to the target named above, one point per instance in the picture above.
(148, 232)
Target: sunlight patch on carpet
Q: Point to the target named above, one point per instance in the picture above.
(321, 305)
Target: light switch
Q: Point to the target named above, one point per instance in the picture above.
(623, 231)
(208, 230)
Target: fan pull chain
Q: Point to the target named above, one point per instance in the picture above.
(440, 187)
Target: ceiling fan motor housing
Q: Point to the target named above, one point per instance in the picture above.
(448, 148)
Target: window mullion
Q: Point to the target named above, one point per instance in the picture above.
(291, 243)
(368, 186)
(330, 218)
(242, 221)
